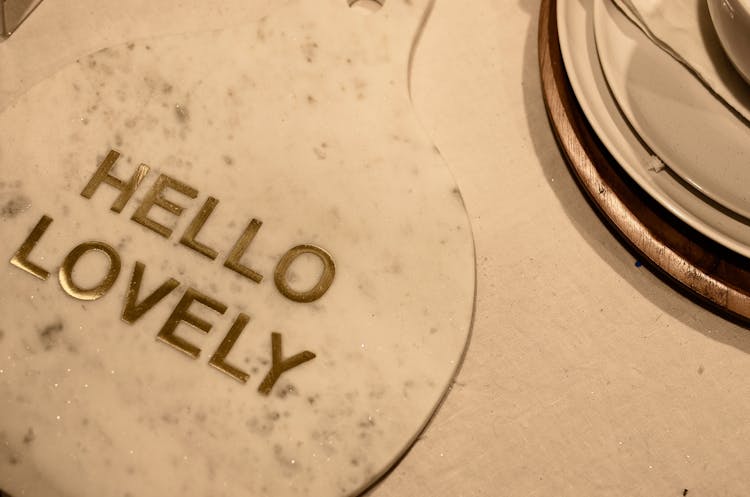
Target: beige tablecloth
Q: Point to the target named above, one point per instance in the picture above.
(586, 375)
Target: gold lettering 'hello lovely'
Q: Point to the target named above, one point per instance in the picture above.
(172, 197)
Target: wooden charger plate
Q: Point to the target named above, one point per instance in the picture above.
(704, 270)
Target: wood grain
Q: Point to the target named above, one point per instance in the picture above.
(704, 270)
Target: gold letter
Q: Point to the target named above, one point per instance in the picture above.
(155, 197)
(102, 176)
(317, 291)
(233, 259)
(182, 313)
(21, 258)
(131, 312)
(188, 238)
(218, 359)
(66, 271)
(279, 366)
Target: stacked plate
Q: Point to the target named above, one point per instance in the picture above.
(681, 144)
(661, 148)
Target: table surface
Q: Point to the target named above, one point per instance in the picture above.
(586, 374)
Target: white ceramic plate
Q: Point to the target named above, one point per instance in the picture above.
(696, 135)
(576, 31)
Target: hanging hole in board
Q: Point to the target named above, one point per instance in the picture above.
(369, 5)
(12, 14)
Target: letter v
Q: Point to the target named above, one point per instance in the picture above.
(132, 311)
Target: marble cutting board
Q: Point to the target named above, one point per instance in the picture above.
(234, 263)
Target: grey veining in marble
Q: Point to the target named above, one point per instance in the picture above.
(301, 123)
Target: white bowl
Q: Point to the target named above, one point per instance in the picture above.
(731, 18)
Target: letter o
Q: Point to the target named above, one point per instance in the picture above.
(98, 291)
(317, 291)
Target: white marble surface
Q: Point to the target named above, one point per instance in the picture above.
(298, 121)
(585, 375)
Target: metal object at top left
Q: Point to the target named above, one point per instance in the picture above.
(13, 13)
